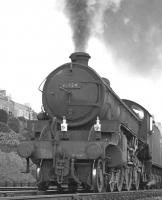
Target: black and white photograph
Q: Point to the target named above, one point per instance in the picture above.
(81, 99)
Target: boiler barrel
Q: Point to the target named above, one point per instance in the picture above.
(76, 91)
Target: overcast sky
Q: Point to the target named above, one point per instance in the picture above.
(124, 40)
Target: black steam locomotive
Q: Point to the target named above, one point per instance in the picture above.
(87, 136)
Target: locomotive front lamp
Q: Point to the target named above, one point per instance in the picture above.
(97, 126)
(64, 125)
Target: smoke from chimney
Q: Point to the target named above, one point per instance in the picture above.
(132, 30)
(86, 19)
(79, 18)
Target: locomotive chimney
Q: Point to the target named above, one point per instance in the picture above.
(80, 57)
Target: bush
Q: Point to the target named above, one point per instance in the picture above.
(4, 128)
(8, 138)
(11, 167)
(22, 119)
(13, 123)
(3, 116)
(22, 124)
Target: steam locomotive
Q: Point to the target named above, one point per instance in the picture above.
(88, 137)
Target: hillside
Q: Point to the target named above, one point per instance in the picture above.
(11, 165)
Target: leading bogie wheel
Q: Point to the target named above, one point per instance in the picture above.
(98, 176)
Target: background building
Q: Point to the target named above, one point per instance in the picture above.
(17, 109)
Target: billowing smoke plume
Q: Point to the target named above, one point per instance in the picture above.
(135, 34)
(86, 18)
(79, 21)
(132, 29)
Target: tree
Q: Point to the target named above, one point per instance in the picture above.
(3, 116)
(13, 123)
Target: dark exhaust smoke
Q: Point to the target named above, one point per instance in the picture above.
(131, 29)
(79, 18)
(85, 17)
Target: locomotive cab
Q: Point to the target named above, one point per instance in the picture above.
(149, 133)
(145, 118)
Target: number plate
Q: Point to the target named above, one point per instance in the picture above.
(71, 85)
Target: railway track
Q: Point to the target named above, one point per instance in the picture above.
(17, 193)
(17, 188)
(49, 195)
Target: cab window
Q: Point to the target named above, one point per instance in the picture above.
(138, 111)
